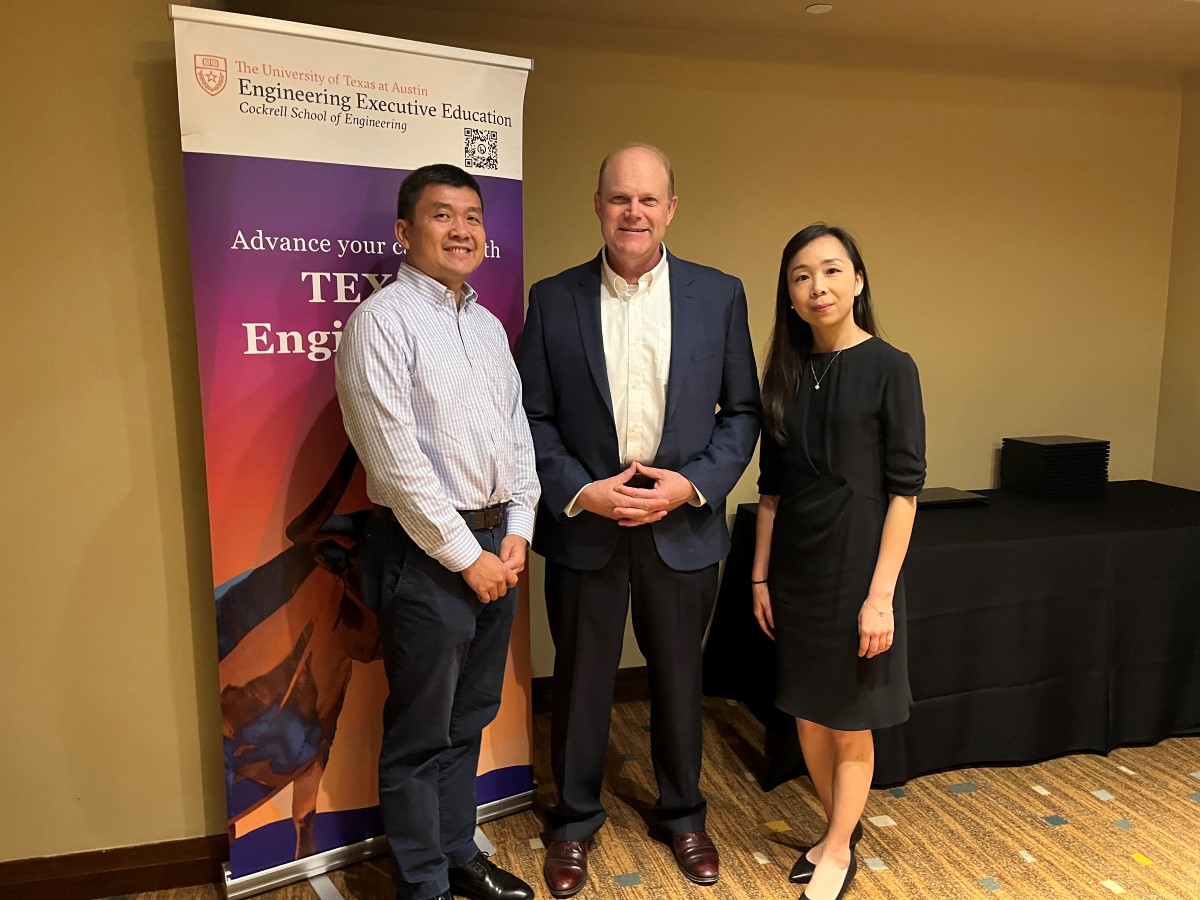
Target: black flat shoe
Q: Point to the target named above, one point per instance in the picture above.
(802, 871)
(851, 870)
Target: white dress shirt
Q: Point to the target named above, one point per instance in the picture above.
(431, 400)
(636, 322)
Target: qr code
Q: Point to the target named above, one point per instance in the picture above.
(480, 149)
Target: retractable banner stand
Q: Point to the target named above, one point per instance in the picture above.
(295, 141)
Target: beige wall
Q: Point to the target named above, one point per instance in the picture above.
(107, 641)
(1177, 451)
(1018, 232)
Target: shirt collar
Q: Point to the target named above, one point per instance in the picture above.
(434, 291)
(623, 289)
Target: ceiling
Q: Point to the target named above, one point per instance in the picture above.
(1123, 40)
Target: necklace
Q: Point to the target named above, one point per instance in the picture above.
(817, 381)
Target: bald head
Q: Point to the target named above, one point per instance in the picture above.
(635, 202)
(647, 152)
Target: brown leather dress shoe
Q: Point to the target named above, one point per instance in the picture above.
(565, 868)
(697, 857)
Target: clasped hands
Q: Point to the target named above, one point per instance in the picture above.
(491, 576)
(613, 498)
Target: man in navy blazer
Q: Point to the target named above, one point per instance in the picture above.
(642, 396)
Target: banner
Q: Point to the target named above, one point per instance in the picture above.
(295, 141)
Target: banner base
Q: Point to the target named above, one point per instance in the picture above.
(319, 863)
(300, 869)
(504, 807)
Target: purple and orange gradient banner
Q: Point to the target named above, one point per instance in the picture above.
(283, 248)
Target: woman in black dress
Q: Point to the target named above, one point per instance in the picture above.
(842, 461)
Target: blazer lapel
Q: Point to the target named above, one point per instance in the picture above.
(587, 309)
(683, 309)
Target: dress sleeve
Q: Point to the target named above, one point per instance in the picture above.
(770, 466)
(904, 429)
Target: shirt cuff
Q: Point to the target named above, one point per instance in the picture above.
(572, 511)
(699, 500)
(460, 551)
(520, 522)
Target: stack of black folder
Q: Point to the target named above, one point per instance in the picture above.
(1055, 466)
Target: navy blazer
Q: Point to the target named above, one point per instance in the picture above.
(570, 411)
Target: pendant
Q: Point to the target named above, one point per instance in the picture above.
(817, 388)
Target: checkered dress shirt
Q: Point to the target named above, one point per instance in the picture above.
(431, 400)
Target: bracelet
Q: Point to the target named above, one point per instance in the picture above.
(764, 581)
(881, 612)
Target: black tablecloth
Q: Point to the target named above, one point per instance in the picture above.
(1036, 628)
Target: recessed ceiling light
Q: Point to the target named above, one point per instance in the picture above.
(819, 9)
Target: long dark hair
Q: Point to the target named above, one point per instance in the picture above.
(792, 338)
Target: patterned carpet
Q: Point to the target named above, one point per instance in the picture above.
(1076, 827)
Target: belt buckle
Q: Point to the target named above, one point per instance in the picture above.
(488, 517)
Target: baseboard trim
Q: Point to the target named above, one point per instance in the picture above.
(632, 683)
(122, 870)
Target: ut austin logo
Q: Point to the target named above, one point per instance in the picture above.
(211, 73)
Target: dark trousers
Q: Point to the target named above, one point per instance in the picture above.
(587, 612)
(444, 653)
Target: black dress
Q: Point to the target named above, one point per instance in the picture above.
(850, 444)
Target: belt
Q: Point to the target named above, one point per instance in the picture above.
(476, 519)
(488, 517)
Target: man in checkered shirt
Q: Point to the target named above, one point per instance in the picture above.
(431, 400)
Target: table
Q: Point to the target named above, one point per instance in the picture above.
(1036, 628)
